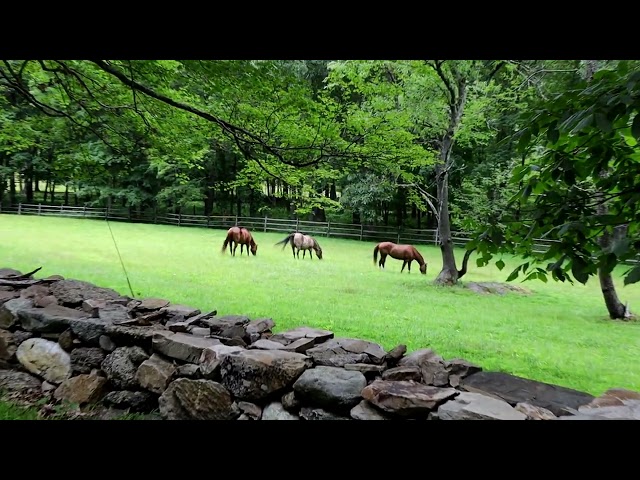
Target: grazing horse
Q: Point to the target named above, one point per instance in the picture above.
(407, 253)
(301, 242)
(239, 236)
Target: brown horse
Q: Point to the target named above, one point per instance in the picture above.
(301, 242)
(407, 253)
(239, 236)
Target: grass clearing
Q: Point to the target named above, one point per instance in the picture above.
(559, 334)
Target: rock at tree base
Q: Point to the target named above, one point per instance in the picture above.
(616, 403)
(7, 346)
(307, 413)
(85, 359)
(403, 373)
(290, 336)
(50, 319)
(514, 390)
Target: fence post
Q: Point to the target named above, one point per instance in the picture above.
(361, 231)
(328, 228)
(398, 236)
(19, 208)
(297, 224)
(106, 212)
(179, 218)
(61, 208)
(39, 208)
(436, 237)
(236, 220)
(265, 223)
(84, 211)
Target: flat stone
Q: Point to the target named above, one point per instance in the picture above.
(8, 295)
(259, 326)
(535, 413)
(181, 346)
(51, 319)
(199, 331)
(73, 292)
(300, 346)
(612, 397)
(9, 311)
(267, 345)
(152, 303)
(475, 406)
(133, 335)
(188, 370)
(514, 390)
(406, 398)
(185, 311)
(365, 368)
(289, 336)
(403, 373)
(89, 330)
(338, 352)
(365, 411)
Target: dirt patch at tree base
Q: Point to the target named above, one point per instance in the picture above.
(495, 287)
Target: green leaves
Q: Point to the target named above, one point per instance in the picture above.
(635, 127)
(633, 276)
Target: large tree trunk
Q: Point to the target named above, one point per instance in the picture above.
(449, 275)
(616, 309)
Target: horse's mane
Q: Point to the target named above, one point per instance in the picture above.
(315, 243)
(418, 255)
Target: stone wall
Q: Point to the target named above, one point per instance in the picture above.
(73, 343)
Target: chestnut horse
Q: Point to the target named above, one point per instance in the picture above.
(407, 253)
(239, 236)
(301, 242)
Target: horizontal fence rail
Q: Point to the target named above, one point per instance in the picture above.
(375, 233)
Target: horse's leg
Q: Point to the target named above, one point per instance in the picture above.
(235, 247)
(383, 259)
(404, 264)
(304, 252)
(311, 254)
(409, 265)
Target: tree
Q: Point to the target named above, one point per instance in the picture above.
(592, 219)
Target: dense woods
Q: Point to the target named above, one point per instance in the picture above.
(504, 150)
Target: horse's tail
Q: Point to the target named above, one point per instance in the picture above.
(224, 245)
(375, 253)
(284, 241)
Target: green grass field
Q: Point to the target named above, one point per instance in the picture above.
(560, 334)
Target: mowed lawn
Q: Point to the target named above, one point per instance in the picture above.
(559, 334)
